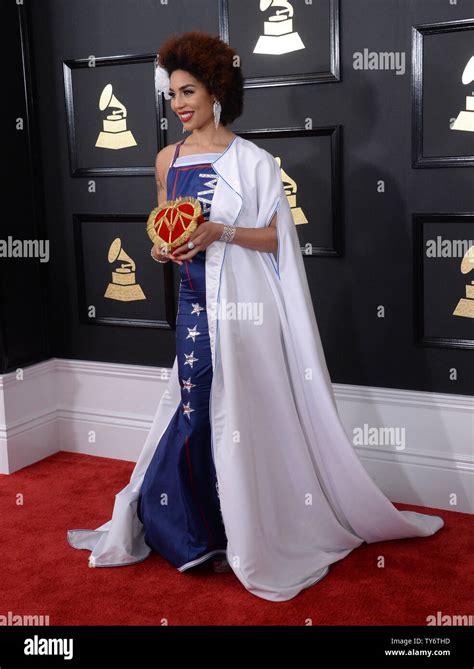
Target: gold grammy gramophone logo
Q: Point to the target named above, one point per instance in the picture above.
(123, 286)
(278, 35)
(465, 306)
(290, 189)
(465, 119)
(114, 133)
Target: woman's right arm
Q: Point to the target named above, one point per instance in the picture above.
(161, 173)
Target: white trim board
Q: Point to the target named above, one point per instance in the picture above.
(106, 409)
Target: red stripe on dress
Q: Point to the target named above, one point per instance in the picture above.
(173, 197)
(184, 167)
(187, 272)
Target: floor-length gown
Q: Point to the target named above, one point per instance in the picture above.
(293, 492)
(178, 502)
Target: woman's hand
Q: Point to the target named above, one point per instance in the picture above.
(203, 236)
(157, 253)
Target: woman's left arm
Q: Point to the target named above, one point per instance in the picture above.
(257, 239)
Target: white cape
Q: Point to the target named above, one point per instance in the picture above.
(294, 495)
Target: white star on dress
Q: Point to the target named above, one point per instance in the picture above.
(187, 385)
(190, 359)
(196, 308)
(187, 410)
(192, 332)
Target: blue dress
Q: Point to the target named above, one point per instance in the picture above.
(178, 502)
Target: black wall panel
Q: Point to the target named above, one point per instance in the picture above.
(373, 111)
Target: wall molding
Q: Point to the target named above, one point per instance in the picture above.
(61, 402)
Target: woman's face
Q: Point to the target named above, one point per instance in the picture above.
(190, 100)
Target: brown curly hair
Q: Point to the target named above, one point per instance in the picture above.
(211, 61)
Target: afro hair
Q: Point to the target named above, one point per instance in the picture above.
(211, 61)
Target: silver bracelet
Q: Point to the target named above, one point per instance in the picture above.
(228, 233)
(162, 262)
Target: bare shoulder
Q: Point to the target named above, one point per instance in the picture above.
(162, 163)
(163, 157)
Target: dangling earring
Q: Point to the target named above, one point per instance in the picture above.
(217, 108)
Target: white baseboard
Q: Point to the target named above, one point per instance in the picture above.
(435, 466)
(106, 409)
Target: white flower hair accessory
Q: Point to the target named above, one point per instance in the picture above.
(162, 80)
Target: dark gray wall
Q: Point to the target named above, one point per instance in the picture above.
(23, 282)
(374, 110)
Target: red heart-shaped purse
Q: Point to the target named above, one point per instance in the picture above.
(171, 223)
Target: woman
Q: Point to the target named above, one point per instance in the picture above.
(246, 456)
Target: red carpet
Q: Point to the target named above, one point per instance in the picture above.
(42, 575)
